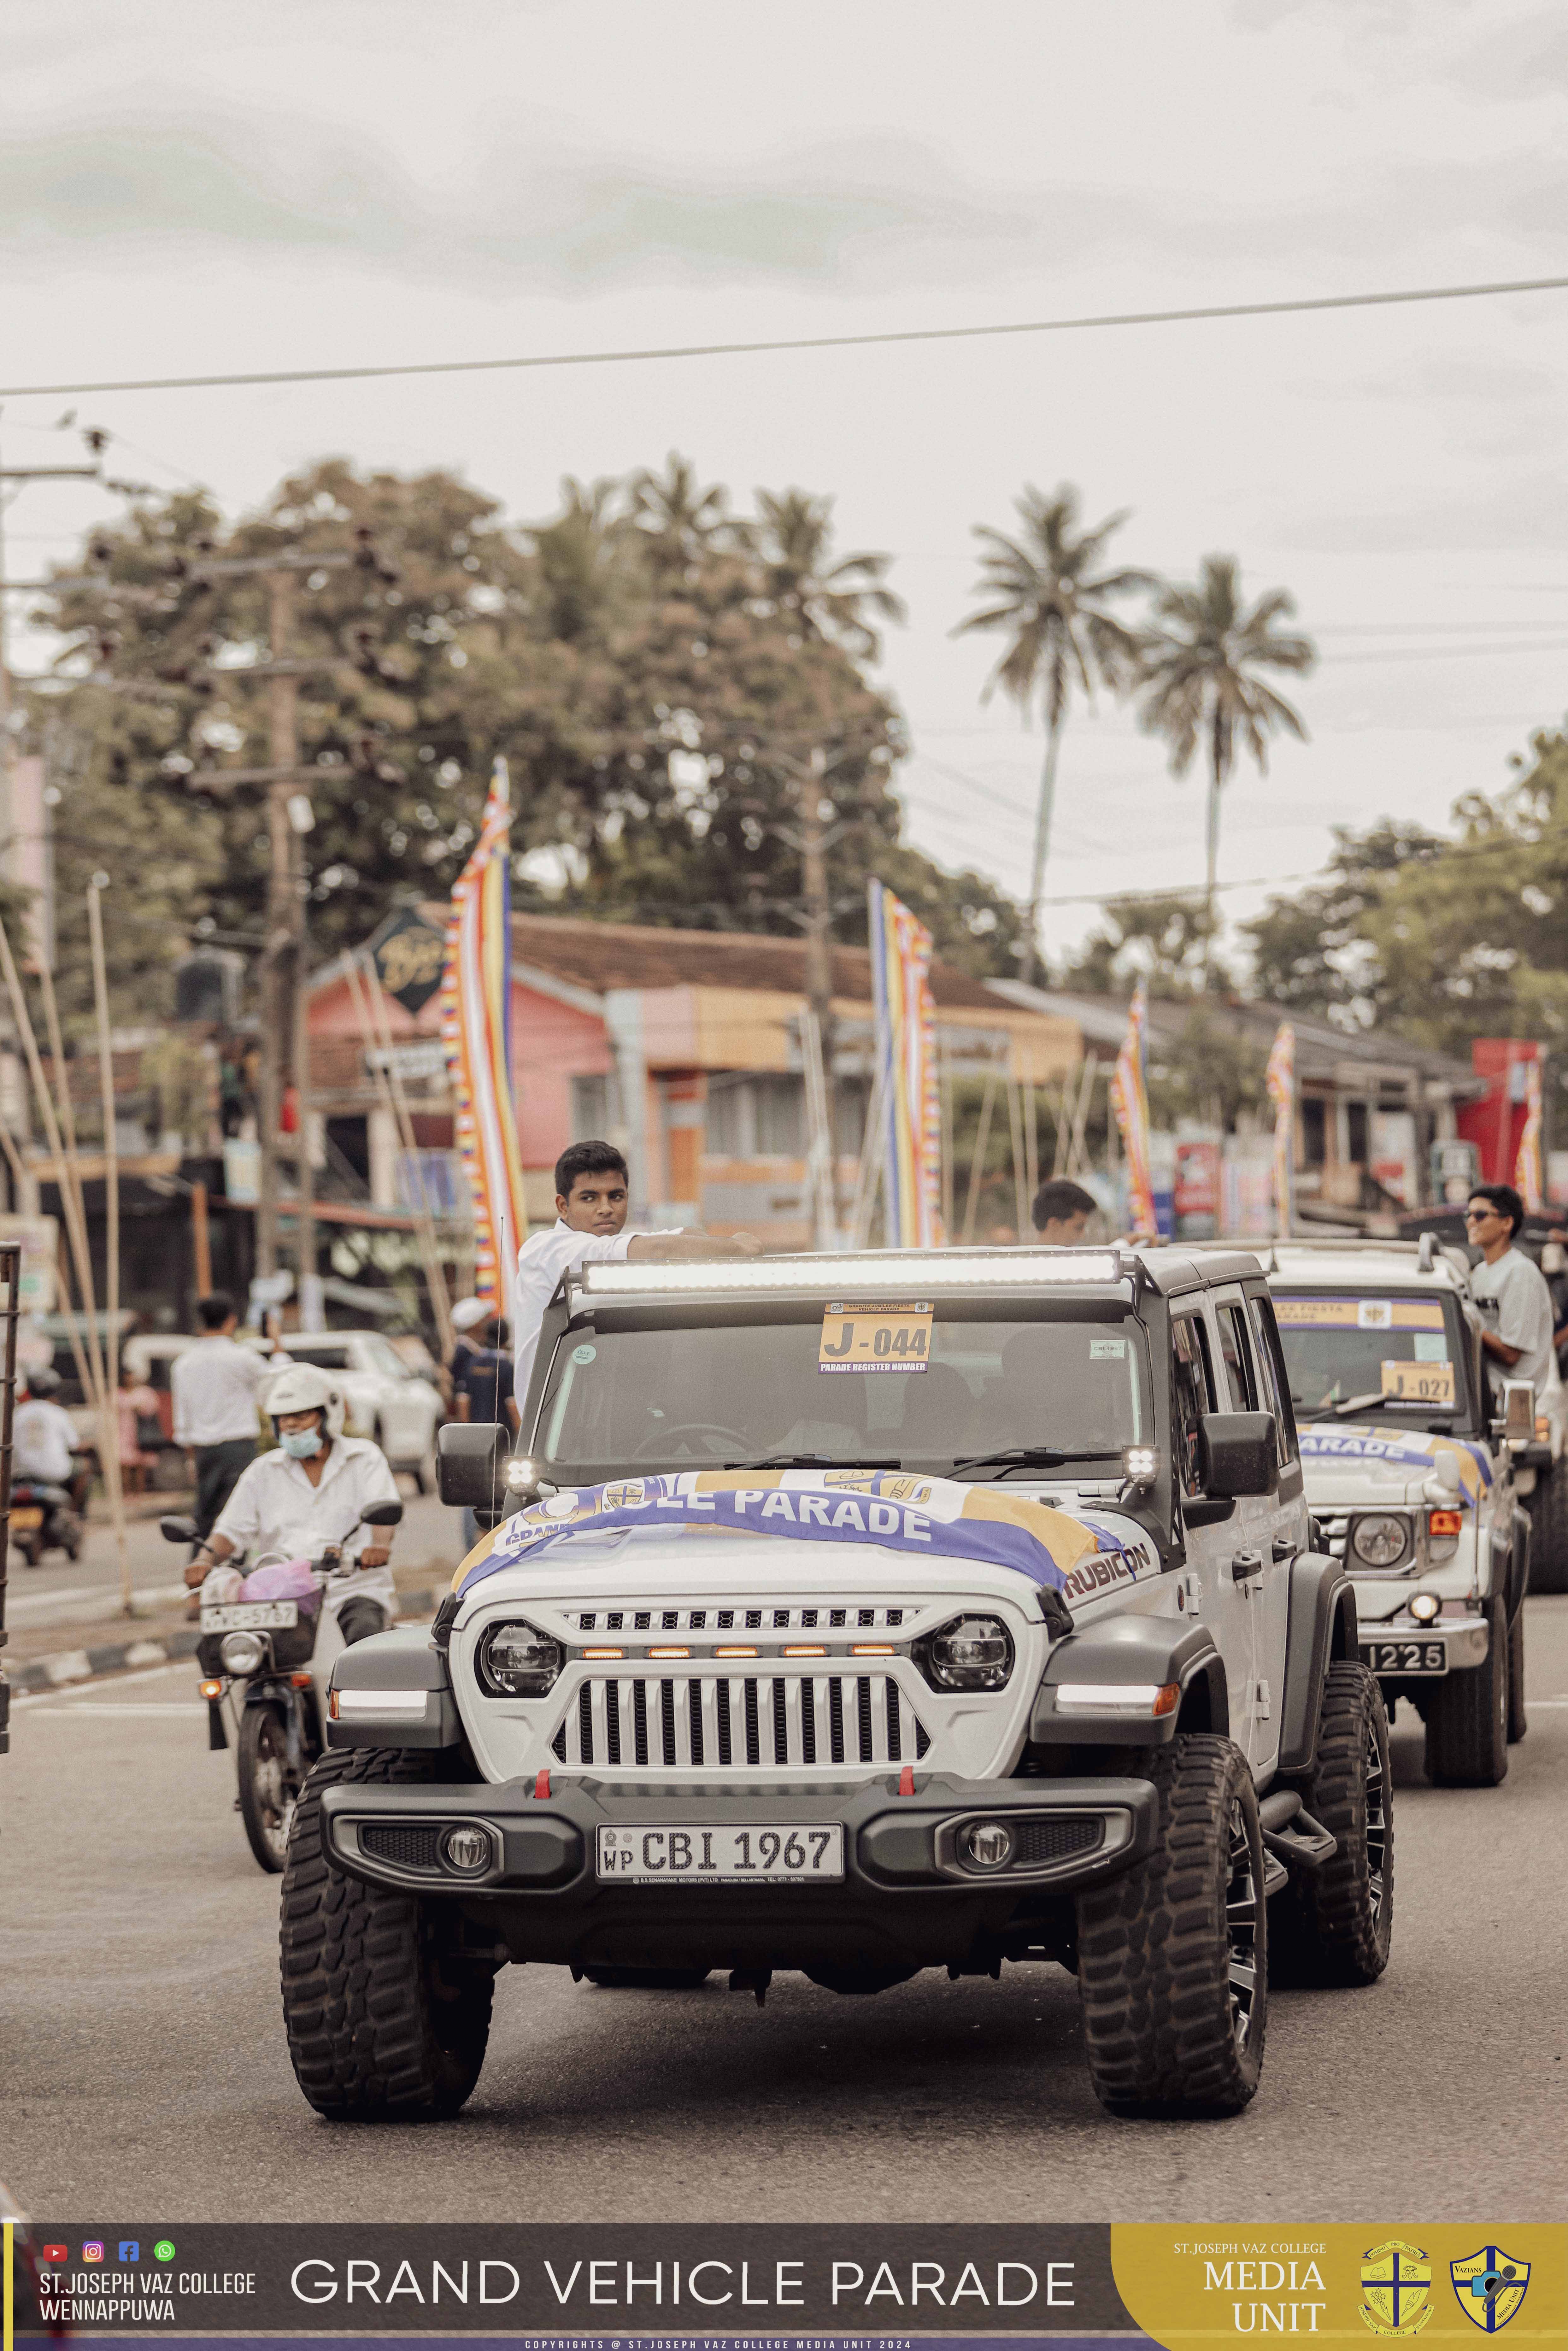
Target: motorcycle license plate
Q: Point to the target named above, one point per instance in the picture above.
(1405, 1656)
(26, 1518)
(715, 1856)
(250, 1616)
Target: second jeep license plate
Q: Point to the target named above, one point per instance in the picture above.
(715, 1856)
(1404, 1657)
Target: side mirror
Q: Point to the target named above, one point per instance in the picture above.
(381, 1514)
(177, 1529)
(471, 1465)
(1518, 1412)
(1239, 1454)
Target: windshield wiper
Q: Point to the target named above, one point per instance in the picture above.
(809, 1461)
(1029, 1457)
(1375, 1401)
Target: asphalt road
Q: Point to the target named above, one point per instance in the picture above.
(145, 2070)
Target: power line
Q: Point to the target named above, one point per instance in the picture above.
(1201, 312)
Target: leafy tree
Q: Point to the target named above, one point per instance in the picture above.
(1200, 662)
(1045, 590)
(1164, 940)
(792, 535)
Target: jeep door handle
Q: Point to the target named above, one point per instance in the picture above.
(1246, 1563)
(1284, 1547)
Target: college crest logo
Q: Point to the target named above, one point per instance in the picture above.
(1491, 2287)
(626, 1494)
(1396, 2288)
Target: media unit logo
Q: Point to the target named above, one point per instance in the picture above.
(1396, 2288)
(1489, 2285)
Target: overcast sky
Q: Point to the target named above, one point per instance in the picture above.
(193, 188)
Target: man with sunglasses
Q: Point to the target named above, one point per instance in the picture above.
(1515, 1304)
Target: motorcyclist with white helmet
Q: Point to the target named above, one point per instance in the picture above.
(310, 1492)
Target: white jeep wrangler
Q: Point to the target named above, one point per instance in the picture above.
(1412, 1481)
(857, 1615)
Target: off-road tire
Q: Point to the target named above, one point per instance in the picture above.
(1518, 1722)
(1467, 1715)
(1162, 1998)
(1333, 1925)
(263, 1745)
(387, 2023)
(1548, 1508)
(609, 1979)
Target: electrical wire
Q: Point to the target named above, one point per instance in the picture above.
(1300, 306)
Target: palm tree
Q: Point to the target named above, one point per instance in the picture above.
(1050, 597)
(1200, 661)
(675, 508)
(792, 535)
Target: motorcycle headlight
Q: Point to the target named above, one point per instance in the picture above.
(519, 1661)
(972, 1652)
(242, 1653)
(1379, 1540)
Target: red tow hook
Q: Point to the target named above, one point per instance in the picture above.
(906, 1781)
(541, 1785)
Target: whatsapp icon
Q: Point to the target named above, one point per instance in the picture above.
(163, 2251)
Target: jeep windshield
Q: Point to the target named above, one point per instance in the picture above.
(1069, 1391)
(1395, 1354)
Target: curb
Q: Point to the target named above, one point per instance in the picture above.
(66, 1668)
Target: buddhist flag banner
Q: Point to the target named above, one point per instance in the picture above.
(477, 1030)
(1130, 1100)
(1279, 1078)
(1527, 1170)
(906, 1074)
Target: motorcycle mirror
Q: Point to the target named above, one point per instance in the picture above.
(381, 1514)
(178, 1530)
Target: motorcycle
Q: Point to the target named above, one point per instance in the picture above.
(267, 1666)
(42, 1519)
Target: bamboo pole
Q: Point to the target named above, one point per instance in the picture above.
(73, 1163)
(68, 1181)
(1031, 1141)
(1063, 1126)
(440, 1296)
(869, 1169)
(113, 1482)
(947, 1096)
(978, 1163)
(1020, 1163)
(423, 1225)
(1075, 1156)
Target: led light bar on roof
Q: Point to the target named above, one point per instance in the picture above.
(897, 1273)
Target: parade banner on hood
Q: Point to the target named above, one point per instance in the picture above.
(1405, 1448)
(916, 1515)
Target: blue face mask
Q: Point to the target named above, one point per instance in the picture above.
(301, 1444)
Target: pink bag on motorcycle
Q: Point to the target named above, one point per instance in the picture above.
(287, 1579)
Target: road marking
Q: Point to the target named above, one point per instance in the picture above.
(1544, 1701)
(175, 1711)
(95, 1689)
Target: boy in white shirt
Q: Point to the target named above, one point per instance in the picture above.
(591, 1198)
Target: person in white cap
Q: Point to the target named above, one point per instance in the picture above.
(480, 1370)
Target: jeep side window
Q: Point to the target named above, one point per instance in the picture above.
(1238, 1359)
(1192, 1386)
(1275, 1379)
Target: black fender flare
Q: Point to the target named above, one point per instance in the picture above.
(1321, 1630)
(1139, 1649)
(399, 1661)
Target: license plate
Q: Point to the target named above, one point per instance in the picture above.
(250, 1616)
(715, 1856)
(875, 1337)
(1404, 1657)
(27, 1518)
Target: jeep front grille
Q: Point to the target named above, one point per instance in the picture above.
(763, 1720)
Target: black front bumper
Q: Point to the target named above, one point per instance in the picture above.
(905, 1898)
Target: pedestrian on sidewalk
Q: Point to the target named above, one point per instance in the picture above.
(136, 1420)
(216, 1387)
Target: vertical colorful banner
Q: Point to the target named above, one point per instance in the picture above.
(1130, 1100)
(906, 1072)
(1279, 1078)
(1528, 1174)
(477, 1030)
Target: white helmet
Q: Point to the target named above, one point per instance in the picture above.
(305, 1388)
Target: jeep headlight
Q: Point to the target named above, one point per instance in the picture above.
(1380, 1540)
(519, 1661)
(972, 1652)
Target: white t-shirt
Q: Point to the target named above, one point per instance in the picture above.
(541, 1261)
(215, 1387)
(42, 1435)
(1516, 1303)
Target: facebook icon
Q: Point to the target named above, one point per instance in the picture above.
(131, 2248)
